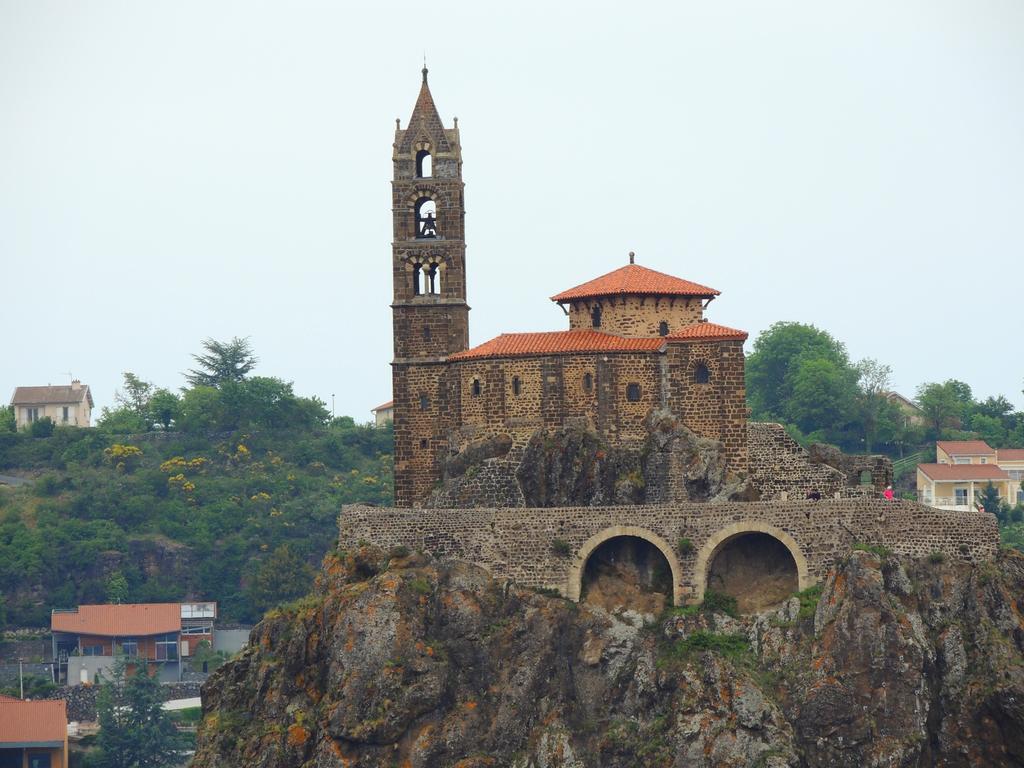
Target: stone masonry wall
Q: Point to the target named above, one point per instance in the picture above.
(637, 316)
(518, 544)
(778, 464)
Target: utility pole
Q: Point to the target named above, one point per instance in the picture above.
(332, 405)
(21, 679)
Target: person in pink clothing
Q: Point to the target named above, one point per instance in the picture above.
(888, 494)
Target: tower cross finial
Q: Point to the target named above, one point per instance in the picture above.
(632, 257)
(424, 66)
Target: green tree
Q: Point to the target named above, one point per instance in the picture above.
(117, 588)
(135, 394)
(200, 410)
(120, 421)
(135, 730)
(822, 395)
(283, 576)
(164, 407)
(41, 427)
(8, 422)
(222, 362)
(941, 404)
(989, 499)
(775, 354)
(874, 380)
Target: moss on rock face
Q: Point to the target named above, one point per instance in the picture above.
(426, 664)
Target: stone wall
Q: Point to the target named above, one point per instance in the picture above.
(637, 316)
(779, 464)
(519, 544)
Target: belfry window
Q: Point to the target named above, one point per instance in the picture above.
(433, 277)
(417, 279)
(663, 328)
(701, 374)
(516, 385)
(595, 317)
(423, 164)
(476, 387)
(633, 392)
(426, 218)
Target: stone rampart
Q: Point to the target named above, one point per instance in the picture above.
(549, 547)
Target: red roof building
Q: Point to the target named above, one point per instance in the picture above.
(33, 733)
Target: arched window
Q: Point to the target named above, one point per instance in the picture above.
(476, 387)
(588, 382)
(595, 317)
(417, 279)
(426, 218)
(516, 385)
(434, 279)
(423, 164)
(424, 402)
(633, 392)
(663, 328)
(865, 477)
(701, 374)
(426, 333)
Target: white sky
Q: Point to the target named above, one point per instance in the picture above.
(176, 170)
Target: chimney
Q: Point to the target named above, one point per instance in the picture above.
(76, 384)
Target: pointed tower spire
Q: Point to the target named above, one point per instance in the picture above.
(425, 122)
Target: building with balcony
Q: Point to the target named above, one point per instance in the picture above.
(157, 637)
(964, 468)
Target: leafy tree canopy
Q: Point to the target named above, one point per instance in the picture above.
(222, 362)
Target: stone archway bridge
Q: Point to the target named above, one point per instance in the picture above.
(549, 547)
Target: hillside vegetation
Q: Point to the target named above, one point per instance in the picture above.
(233, 498)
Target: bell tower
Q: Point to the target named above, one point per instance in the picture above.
(429, 311)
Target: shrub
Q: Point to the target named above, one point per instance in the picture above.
(41, 427)
(398, 552)
(420, 586)
(809, 601)
(720, 603)
(684, 545)
(561, 547)
(875, 549)
(935, 558)
(733, 647)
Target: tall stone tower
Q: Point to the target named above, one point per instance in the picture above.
(429, 311)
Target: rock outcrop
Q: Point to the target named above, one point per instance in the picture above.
(402, 661)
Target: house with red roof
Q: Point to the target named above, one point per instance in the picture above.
(156, 637)
(964, 468)
(33, 734)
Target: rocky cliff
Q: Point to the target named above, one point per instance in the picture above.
(401, 661)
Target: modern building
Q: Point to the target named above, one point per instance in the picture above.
(964, 468)
(155, 636)
(66, 405)
(384, 413)
(33, 734)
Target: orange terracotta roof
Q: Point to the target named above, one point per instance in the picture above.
(24, 722)
(129, 620)
(383, 406)
(557, 343)
(963, 471)
(707, 331)
(1010, 454)
(966, 447)
(634, 280)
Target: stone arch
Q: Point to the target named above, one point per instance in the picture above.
(714, 543)
(574, 585)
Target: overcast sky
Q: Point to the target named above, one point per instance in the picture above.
(176, 170)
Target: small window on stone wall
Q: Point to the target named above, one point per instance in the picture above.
(516, 385)
(424, 402)
(701, 374)
(426, 333)
(633, 392)
(423, 443)
(423, 164)
(588, 382)
(595, 317)
(865, 477)
(476, 387)
(663, 328)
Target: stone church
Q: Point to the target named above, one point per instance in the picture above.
(640, 372)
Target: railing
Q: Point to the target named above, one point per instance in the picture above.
(901, 466)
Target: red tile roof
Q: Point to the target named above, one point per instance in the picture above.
(23, 722)
(963, 472)
(129, 620)
(966, 447)
(384, 406)
(556, 343)
(1010, 454)
(634, 280)
(699, 331)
